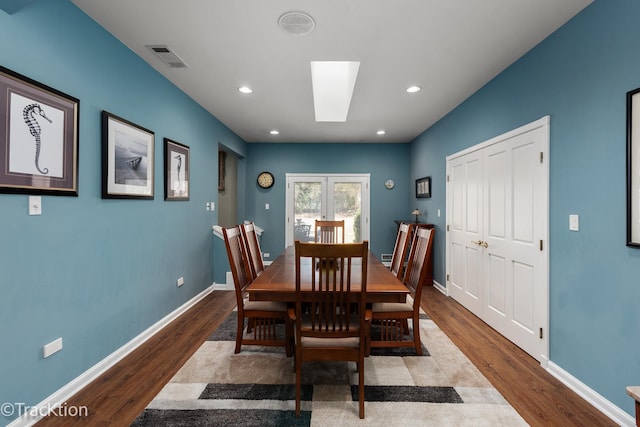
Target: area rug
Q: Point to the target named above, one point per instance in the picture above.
(257, 388)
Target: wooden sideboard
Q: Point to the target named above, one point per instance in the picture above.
(429, 279)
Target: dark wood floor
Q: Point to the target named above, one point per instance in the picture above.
(118, 396)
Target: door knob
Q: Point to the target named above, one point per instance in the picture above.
(480, 243)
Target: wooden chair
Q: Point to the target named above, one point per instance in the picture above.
(335, 322)
(254, 254)
(393, 317)
(329, 231)
(264, 316)
(401, 249)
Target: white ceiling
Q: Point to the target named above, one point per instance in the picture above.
(449, 47)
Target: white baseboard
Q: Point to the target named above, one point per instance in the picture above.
(441, 288)
(616, 414)
(59, 398)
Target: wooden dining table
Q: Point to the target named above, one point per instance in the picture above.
(278, 281)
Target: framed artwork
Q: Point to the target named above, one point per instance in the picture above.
(38, 138)
(633, 168)
(127, 159)
(222, 161)
(176, 170)
(423, 187)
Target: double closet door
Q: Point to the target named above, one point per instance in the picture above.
(497, 238)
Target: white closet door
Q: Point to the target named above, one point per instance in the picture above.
(515, 273)
(497, 214)
(465, 195)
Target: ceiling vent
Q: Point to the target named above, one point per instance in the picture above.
(167, 56)
(296, 23)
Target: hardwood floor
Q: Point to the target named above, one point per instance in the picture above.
(118, 396)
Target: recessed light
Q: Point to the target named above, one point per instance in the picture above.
(245, 89)
(381, 132)
(413, 89)
(274, 132)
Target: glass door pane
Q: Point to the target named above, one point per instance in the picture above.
(346, 205)
(308, 206)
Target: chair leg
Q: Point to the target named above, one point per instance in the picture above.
(416, 334)
(298, 385)
(239, 333)
(361, 388)
(288, 326)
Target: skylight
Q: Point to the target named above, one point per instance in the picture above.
(333, 83)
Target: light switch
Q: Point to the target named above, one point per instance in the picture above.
(574, 223)
(266, 205)
(35, 205)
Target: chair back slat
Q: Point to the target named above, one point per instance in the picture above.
(417, 267)
(252, 245)
(332, 308)
(329, 231)
(237, 261)
(401, 249)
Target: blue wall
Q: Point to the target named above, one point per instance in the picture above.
(579, 76)
(98, 272)
(382, 161)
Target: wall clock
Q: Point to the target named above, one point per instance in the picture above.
(265, 179)
(389, 184)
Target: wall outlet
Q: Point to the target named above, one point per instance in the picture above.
(180, 281)
(52, 347)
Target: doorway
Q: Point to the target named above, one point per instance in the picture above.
(227, 189)
(326, 197)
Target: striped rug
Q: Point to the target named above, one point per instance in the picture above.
(257, 388)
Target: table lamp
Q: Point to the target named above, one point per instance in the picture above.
(415, 212)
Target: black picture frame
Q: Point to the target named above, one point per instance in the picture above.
(423, 187)
(633, 168)
(176, 170)
(127, 159)
(38, 137)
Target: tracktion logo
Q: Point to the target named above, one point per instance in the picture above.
(19, 409)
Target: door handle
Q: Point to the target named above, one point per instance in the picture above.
(480, 243)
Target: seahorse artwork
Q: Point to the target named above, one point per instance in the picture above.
(179, 166)
(29, 115)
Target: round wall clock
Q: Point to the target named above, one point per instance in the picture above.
(265, 179)
(389, 184)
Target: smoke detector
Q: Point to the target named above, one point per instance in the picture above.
(296, 23)
(167, 56)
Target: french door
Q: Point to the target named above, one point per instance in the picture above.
(326, 197)
(497, 239)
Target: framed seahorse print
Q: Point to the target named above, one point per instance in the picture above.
(38, 137)
(176, 170)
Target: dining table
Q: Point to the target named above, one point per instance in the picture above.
(278, 281)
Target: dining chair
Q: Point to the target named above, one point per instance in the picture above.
(254, 254)
(263, 316)
(392, 318)
(401, 249)
(329, 231)
(331, 318)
